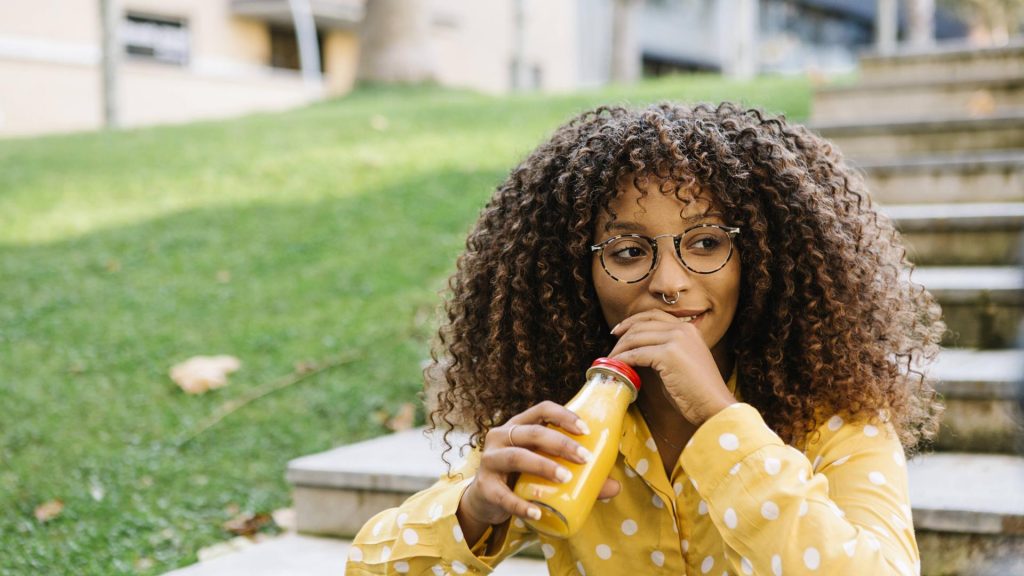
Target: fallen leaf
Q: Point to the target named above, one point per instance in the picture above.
(96, 490)
(113, 265)
(144, 563)
(285, 518)
(223, 276)
(246, 524)
(379, 123)
(305, 366)
(49, 510)
(201, 373)
(404, 418)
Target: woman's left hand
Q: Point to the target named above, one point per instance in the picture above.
(674, 349)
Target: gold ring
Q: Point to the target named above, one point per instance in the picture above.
(510, 442)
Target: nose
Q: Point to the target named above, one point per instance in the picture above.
(669, 276)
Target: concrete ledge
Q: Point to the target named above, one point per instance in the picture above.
(968, 284)
(979, 374)
(968, 493)
(978, 216)
(918, 126)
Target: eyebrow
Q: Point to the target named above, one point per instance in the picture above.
(629, 226)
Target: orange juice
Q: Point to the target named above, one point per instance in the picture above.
(602, 402)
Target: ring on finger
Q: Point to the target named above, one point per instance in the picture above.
(510, 441)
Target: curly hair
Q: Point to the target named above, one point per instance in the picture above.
(829, 321)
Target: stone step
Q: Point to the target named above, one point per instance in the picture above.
(954, 61)
(977, 177)
(982, 392)
(968, 508)
(302, 555)
(982, 305)
(961, 234)
(917, 99)
(940, 135)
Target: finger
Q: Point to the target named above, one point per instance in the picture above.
(500, 502)
(518, 460)
(549, 441)
(638, 337)
(548, 412)
(645, 316)
(610, 489)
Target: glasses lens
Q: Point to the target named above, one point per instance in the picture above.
(628, 259)
(705, 249)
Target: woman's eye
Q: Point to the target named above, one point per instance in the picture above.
(705, 244)
(629, 252)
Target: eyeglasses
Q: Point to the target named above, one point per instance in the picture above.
(704, 249)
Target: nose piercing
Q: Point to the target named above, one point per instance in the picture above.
(675, 298)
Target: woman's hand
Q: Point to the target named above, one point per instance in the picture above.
(489, 499)
(674, 349)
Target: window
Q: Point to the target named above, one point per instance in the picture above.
(153, 38)
(284, 49)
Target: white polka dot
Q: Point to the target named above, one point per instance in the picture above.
(812, 559)
(641, 466)
(902, 567)
(630, 473)
(770, 510)
(355, 554)
(694, 482)
(402, 567)
(841, 461)
(777, 565)
(435, 511)
(817, 463)
(377, 527)
(735, 469)
(850, 547)
(650, 444)
(881, 530)
(772, 466)
(870, 431)
(836, 509)
(728, 441)
(906, 511)
(803, 508)
(702, 508)
(685, 544)
(835, 423)
(873, 542)
(658, 502)
(518, 523)
(458, 567)
(629, 527)
(400, 521)
(678, 488)
(658, 557)
(877, 478)
(603, 551)
(548, 550)
(730, 518)
(457, 532)
(579, 568)
(899, 458)
(385, 554)
(410, 536)
(707, 564)
(437, 570)
(802, 476)
(898, 522)
(746, 566)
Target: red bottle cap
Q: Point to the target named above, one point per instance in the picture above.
(619, 367)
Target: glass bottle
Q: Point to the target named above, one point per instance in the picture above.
(602, 402)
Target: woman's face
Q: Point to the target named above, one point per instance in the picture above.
(713, 296)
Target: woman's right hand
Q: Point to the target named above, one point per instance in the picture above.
(523, 444)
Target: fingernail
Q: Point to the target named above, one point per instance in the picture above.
(616, 326)
(583, 427)
(533, 512)
(563, 475)
(585, 454)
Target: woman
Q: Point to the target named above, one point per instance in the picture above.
(738, 264)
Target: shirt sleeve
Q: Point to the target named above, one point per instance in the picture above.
(843, 508)
(423, 536)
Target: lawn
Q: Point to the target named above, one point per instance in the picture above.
(290, 239)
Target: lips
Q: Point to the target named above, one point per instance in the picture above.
(691, 316)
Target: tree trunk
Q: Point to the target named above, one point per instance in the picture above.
(395, 42)
(110, 18)
(625, 51)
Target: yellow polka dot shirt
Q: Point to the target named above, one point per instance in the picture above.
(740, 501)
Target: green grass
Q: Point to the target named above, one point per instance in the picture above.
(337, 237)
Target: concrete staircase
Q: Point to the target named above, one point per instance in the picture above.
(939, 137)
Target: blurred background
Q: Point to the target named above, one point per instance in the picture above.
(226, 228)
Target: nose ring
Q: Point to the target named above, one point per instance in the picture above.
(675, 298)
